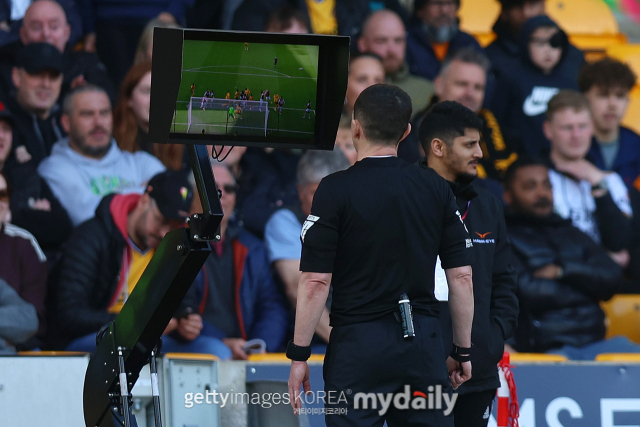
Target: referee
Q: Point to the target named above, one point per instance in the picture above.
(366, 237)
(450, 136)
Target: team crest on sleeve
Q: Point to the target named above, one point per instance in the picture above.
(311, 219)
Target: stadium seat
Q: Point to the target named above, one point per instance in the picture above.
(52, 353)
(590, 24)
(281, 357)
(191, 356)
(618, 357)
(623, 316)
(536, 357)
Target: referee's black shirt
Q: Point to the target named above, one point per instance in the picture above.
(378, 227)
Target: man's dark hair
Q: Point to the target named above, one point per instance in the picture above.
(284, 18)
(446, 120)
(419, 4)
(384, 112)
(467, 55)
(607, 74)
(520, 163)
(365, 55)
(512, 4)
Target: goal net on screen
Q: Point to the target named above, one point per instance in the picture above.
(227, 116)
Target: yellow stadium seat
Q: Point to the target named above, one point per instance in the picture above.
(618, 357)
(536, 357)
(52, 353)
(191, 356)
(281, 358)
(628, 53)
(477, 18)
(623, 316)
(583, 16)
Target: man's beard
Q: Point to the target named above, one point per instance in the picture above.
(465, 178)
(442, 34)
(88, 150)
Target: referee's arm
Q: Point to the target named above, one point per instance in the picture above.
(461, 303)
(313, 291)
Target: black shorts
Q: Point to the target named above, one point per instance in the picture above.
(373, 357)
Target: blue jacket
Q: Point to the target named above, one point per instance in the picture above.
(523, 91)
(259, 306)
(421, 57)
(123, 12)
(627, 162)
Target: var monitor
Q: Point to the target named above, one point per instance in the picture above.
(247, 88)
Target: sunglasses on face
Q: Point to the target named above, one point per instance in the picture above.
(4, 196)
(230, 188)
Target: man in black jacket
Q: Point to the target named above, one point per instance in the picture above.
(450, 135)
(106, 256)
(562, 273)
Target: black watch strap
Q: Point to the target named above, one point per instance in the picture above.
(298, 353)
(461, 354)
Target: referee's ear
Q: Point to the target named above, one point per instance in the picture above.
(406, 132)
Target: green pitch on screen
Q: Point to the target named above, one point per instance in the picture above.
(206, 64)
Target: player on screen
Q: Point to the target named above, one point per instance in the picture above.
(280, 105)
(307, 110)
(238, 111)
(230, 113)
(267, 95)
(250, 97)
(246, 46)
(275, 62)
(236, 95)
(247, 91)
(193, 89)
(276, 97)
(262, 96)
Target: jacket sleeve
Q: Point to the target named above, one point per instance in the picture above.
(614, 226)
(33, 272)
(597, 275)
(539, 294)
(271, 314)
(504, 303)
(18, 318)
(79, 270)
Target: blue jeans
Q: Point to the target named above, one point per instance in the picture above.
(590, 351)
(202, 344)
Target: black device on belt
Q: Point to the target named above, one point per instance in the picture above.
(406, 317)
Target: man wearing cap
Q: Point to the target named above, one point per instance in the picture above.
(107, 255)
(37, 77)
(88, 164)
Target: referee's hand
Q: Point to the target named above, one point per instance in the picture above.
(299, 375)
(458, 372)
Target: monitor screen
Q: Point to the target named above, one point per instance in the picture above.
(250, 89)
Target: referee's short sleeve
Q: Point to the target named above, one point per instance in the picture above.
(455, 244)
(320, 231)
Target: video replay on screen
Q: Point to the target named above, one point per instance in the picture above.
(247, 88)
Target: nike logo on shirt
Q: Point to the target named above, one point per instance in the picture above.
(536, 102)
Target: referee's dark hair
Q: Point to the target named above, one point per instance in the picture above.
(520, 163)
(384, 112)
(446, 121)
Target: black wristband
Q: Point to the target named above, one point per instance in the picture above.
(298, 353)
(461, 354)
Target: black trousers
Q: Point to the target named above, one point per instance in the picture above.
(372, 358)
(473, 409)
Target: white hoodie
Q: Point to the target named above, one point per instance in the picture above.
(80, 182)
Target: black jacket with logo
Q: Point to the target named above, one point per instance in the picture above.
(494, 286)
(563, 311)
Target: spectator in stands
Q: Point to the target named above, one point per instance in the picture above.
(287, 20)
(344, 140)
(12, 13)
(504, 50)
(596, 201)
(18, 319)
(131, 119)
(240, 300)
(282, 232)
(562, 273)
(106, 257)
(384, 34)
(37, 77)
(463, 78)
(144, 52)
(364, 70)
(23, 265)
(344, 17)
(522, 93)
(606, 84)
(33, 205)
(88, 164)
(114, 28)
(433, 35)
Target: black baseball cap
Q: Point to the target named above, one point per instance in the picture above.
(172, 193)
(37, 57)
(5, 114)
